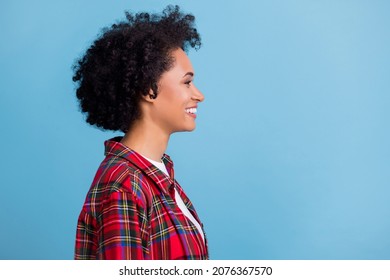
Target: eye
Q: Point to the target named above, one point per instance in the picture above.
(188, 83)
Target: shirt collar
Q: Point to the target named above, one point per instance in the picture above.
(114, 147)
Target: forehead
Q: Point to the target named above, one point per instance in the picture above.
(181, 63)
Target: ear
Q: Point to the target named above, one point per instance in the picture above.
(150, 97)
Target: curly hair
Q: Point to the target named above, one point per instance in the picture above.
(126, 61)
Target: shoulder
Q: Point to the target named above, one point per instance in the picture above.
(114, 175)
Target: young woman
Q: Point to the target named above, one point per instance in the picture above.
(137, 78)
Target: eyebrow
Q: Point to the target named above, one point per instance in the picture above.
(189, 74)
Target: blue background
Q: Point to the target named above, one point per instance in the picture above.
(290, 158)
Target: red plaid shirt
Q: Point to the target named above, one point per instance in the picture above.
(130, 212)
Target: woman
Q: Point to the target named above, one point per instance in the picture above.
(137, 78)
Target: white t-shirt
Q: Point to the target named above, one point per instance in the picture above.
(180, 203)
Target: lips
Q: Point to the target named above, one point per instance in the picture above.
(191, 111)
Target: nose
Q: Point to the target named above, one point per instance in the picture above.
(197, 95)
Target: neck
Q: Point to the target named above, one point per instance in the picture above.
(147, 140)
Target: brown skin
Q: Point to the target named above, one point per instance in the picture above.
(166, 114)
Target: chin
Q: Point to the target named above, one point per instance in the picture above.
(191, 128)
(187, 129)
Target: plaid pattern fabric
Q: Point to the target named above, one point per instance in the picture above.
(130, 212)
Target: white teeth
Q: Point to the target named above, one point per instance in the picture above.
(191, 110)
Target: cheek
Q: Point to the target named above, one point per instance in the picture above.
(176, 97)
